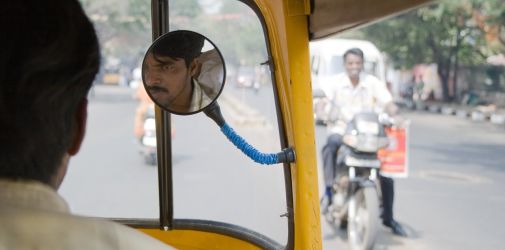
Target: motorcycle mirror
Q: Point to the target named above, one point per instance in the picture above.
(183, 72)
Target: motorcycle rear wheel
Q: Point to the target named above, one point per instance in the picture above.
(363, 219)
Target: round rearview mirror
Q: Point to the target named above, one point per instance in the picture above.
(183, 72)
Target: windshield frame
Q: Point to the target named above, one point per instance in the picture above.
(166, 222)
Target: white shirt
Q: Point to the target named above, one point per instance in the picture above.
(211, 75)
(199, 99)
(34, 216)
(370, 94)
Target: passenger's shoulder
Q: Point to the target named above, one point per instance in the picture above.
(130, 238)
(124, 237)
(65, 231)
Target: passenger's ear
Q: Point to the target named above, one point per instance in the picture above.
(195, 67)
(81, 116)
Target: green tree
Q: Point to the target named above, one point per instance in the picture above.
(239, 33)
(489, 16)
(123, 27)
(232, 25)
(446, 33)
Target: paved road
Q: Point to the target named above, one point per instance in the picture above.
(453, 198)
(212, 179)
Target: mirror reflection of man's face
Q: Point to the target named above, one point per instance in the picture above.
(353, 65)
(168, 80)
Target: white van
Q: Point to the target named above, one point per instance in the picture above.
(327, 60)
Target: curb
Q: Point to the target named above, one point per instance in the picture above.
(496, 117)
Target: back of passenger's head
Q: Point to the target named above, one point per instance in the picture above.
(354, 51)
(49, 59)
(179, 44)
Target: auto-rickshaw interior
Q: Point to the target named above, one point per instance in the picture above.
(212, 180)
(201, 192)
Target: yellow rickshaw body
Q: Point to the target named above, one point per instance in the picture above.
(290, 25)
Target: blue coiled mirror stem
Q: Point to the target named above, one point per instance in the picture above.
(285, 156)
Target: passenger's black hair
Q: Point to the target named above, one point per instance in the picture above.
(179, 44)
(50, 56)
(354, 51)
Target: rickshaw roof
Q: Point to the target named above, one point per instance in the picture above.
(328, 18)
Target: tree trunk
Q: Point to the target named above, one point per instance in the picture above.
(455, 72)
(459, 40)
(443, 71)
(455, 80)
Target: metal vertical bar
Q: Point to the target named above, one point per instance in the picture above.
(159, 14)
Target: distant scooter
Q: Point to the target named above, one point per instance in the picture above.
(148, 139)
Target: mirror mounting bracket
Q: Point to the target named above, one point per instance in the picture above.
(214, 112)
(287, 155)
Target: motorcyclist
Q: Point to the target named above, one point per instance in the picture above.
(355, 91)
(144, 103)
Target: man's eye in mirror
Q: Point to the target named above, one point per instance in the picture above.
(183, 72)
(168, 67)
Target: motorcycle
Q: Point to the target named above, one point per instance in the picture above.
(356, 192)
(148, 139)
